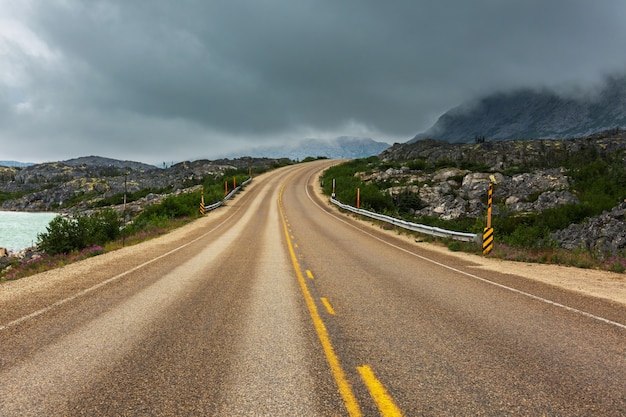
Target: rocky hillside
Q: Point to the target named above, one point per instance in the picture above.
(529, 175)
(503, 155)
(534, 114)
(80, 183)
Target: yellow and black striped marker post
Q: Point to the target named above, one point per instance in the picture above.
(487, 240)
(488, 232)
(202, 204)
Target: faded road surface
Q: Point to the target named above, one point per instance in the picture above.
(278, 305)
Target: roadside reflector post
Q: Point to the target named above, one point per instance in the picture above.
(234, 182)
(202, 203)
(487, 240)
(226, 187)
(358, 198)
(333, 194)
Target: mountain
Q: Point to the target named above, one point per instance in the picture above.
(534, 114)
(339, 148)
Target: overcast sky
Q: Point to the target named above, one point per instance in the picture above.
(165, 81)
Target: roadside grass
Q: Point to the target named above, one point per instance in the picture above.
(556, 256)
(46, 262)
(548, 256)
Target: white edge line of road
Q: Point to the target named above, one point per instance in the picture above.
(108, 281)
(534, 297)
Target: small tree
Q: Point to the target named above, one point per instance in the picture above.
(65, 235)
(59, 237)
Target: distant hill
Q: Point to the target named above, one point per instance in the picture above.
(526, 113)
(342, 147)
(15, 164)
(77, 184)
(99, 161)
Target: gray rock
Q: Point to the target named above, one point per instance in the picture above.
(604, 235)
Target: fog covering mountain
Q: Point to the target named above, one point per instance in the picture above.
(536, 114)
(344, 147)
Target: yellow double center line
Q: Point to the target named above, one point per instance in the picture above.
(340, 378)
(383, 400)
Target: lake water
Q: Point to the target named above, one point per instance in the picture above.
(19, 230)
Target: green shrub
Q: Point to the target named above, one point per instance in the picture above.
(417, 164)
(6, 196)
(65, 235)
(346, 185)
(182, 205)
(407, 201)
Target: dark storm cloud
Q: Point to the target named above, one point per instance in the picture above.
(178, 80)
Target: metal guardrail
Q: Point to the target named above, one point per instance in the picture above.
(228, 196)
(421, 228)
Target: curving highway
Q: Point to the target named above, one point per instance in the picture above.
(279, 305)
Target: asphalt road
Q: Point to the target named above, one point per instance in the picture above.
(278, 305)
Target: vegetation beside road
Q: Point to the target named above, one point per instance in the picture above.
(68, 240)
(598, 182)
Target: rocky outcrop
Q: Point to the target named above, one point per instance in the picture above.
(451, 193)
(604, 235)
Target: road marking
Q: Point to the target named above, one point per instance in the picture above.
(383, 400)
(333, 361)
(329, 308)
(309, 274)
(485, 280)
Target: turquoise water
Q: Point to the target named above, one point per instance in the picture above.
(19, 230)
